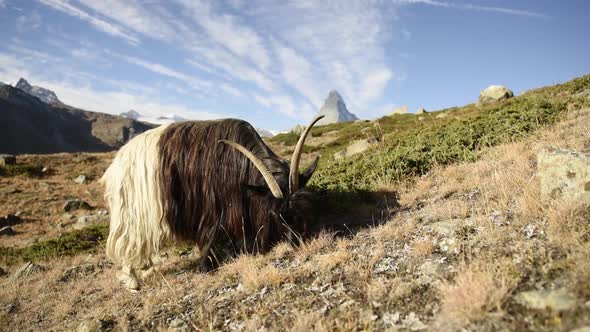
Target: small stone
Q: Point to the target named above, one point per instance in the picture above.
(7, 159)
(76, 204)
(84, 221)
(90, 325)
(26, 270)
(77, 271)
(179, 325)
(7, 230)
(558, 299)
(81, 179)
(45, 169)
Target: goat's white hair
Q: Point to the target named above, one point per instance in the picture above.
(132, 191)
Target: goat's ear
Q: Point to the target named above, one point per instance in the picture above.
(261, 190)
(306, 175)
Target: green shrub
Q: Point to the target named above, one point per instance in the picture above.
(415, 151)
(68, 244)
(27, 170)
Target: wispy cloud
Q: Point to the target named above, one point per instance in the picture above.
(134, 16)
(99, 24)
(158, 68)
(468, 6)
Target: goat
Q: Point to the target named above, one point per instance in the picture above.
(196, 181)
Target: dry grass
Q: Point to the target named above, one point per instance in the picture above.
(478, 288)
(400, 275)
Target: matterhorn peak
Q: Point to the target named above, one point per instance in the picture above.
(335, 110)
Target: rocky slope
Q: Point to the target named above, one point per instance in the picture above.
(335, 110)
(29, 125)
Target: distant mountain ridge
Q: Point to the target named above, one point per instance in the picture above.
(335, 110)
(46, 96)
(163, 119)
(28, 124)
(171, 118)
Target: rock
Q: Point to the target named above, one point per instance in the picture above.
(494, 93)
(335, 110)
(94, 325)
(75, 272)
(558, 299)
(298, 129)
(7, 159)
(400, 110)
(355, 148)
(441, 116)
(421, 111)
(564, 174)
(26, 270)
(7, 230)
(10, 220)
(178, 325)
(76, 204)
(85, 221)
(81, 179)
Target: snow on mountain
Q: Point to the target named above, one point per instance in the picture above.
(171, 117)
(46, 96)
(131, 114)
(264, 133)
(335, 110)
(162, 119)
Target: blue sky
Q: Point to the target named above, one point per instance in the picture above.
(273, 62)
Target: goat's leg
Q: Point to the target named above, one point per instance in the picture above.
(128, 278)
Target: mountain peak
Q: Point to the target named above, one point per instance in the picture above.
(23, 84)
(45, 95)
(335, 110)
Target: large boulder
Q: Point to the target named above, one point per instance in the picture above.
(494, 93)
(400, 110)
(356, 147)
(564, 174)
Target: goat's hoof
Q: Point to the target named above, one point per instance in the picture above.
(128, 280)
(147, 272)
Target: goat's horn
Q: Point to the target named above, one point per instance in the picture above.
(266, 174)
(294, 171)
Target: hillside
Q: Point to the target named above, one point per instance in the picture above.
(448, 229)
(28, 125)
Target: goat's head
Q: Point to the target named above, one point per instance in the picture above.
(290, 204)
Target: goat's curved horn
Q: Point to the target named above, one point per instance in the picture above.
(266, 174)
(294, 171)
